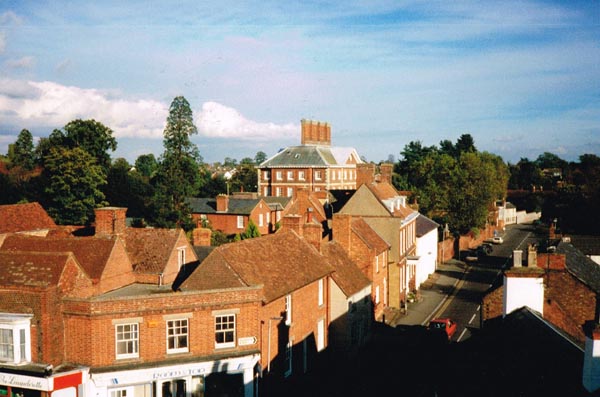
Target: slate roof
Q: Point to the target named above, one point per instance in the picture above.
(367, 234)
(149, 249)
(209, 205)
(276, 203)
(518, 355)
(310, 156)
(347, 275)
(282, 262)
(589, 245)
(580, 266)
(32, 269)
(91, 253)
(24, 217)
(425, 225)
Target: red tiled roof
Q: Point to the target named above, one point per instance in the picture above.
(369, 236)
(32, 269)
(383, 190)
(24, 217)
(346, 275)
(91, 253)
(149, 249)
(282, 262)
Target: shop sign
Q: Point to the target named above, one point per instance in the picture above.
(25, 382)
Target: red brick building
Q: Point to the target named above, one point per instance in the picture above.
(315, 165)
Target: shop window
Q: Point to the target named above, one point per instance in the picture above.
(127, 340)
(177, 336)
(15, 343)
(225, 330)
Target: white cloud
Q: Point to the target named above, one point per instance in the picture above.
(30, 104)
(219, 121)
(2, 42)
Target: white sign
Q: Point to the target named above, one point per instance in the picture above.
(25, 382)
(249, 340)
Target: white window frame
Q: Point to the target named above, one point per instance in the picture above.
(277, 192)
(318, 176)
(180, 257)
(376, 263)
(225, 325)
(301, 175)
(290, 191)
(266, 175)
(121, 392)
(290, 175)
(278, 175)
(288, 309)
(377, 294)
(129, 339)
(240, 221)
(15, 338)
(260, 220)
(289, 349)
(178, 330)
(321, 296)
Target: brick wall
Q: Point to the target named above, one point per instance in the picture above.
(493, 305)
(110, 220)
(305, 314)
(90, 331)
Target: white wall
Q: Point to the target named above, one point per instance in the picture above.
(523, 291)
(426, 250)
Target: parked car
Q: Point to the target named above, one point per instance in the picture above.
(497, 240)
(485, 249)
(445, 325)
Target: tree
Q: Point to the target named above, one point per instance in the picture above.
(128, 189)
(146, 165)
(178, 175)
(73, 182)
(21, 153)
(91, 136)
(464, 144)
(260, 157)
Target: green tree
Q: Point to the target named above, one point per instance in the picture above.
(21, 153)
(89, 135)
(73, 182)
(260, 157)
(146, 165)
(129, 189)
(245, 179)
(178, 175)
(465, 144)
(251, 231)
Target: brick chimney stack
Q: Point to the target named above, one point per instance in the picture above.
(201, 237)
(315, 133)
(110, 221)
(341, 226)
(365, 174)
(222, 203)
(386, 170)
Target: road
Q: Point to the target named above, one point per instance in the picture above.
(464, 304)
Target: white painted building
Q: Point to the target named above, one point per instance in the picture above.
(426, 248)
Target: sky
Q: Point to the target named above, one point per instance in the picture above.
(521, 77)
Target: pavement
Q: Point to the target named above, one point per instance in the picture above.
(432, 295)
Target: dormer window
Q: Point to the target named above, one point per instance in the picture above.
(15, 338)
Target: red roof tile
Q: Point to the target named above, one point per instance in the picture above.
(24, 217)
(282, 262)
(346, 275)
(149, 249)
(91, 253)
(32, 269)
(369, 235)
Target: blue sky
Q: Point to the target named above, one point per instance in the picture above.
(522, 77)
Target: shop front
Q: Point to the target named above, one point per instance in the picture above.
(235, 376)
(41, 382)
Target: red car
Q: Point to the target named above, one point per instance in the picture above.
(443, 324)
